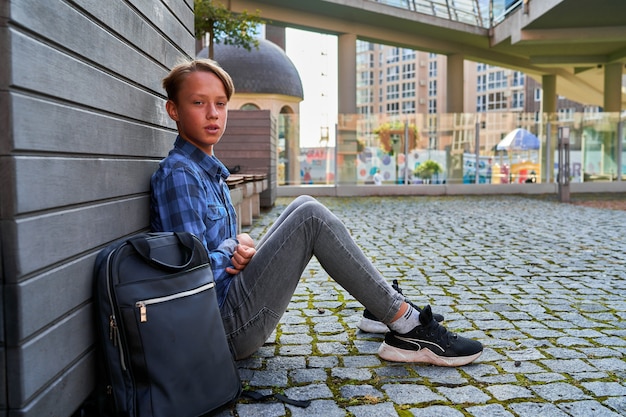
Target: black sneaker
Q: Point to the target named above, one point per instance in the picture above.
(370, 324)
(431, 343)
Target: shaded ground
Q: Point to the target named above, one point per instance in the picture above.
(610, 201)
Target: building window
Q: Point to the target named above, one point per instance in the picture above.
(365, 79)
(432, 106)
(481, 104)
(408, 90)
(432, 68)
(566, 114)
(393, 92)
(408, 71)
(393, 108)
(481, 83)
(394, 55)
(408, 107)
(496, 101)
(537, 94)
(393, 73)
(496, 80)
(408, 54)
(432, 88)
(517, 101)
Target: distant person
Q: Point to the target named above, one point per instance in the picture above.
(378, 179)
(256, 281)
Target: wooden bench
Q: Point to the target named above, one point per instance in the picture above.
(245, 192)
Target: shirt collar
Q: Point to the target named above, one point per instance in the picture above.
(209, 163)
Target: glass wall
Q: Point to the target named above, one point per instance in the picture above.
(468, 148)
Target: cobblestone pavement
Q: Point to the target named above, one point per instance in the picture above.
(540, 283)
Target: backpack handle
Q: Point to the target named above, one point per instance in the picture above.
(142, 245)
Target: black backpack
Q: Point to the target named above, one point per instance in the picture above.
(162, 345)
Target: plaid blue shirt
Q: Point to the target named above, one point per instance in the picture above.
(189, 194)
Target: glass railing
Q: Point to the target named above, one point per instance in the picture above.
(468, 148)
(482, 13)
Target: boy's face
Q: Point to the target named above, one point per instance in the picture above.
(200, 110)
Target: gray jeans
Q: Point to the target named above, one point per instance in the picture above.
(260, 294)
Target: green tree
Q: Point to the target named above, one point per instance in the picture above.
(222, 25)
(427, 169)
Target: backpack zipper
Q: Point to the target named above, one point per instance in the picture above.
(114, 333)
(143, 304)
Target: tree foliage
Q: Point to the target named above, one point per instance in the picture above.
(389, 130)
(427, 169)
(223, 26)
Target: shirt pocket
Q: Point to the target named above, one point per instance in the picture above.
(216, 212)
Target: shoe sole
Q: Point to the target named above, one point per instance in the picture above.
(394, 354)
(372, 326)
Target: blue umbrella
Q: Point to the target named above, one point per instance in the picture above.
(518, 140)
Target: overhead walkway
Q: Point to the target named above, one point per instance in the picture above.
(575, 48)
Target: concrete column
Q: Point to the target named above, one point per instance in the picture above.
(548, 99)
(613, 87)
(548, 105)
(346, 52)
(454, 84)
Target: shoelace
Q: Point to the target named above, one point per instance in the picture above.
(438, 331)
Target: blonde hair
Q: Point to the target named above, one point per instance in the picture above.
(178, 74)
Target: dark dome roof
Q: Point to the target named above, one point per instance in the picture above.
(266, 70)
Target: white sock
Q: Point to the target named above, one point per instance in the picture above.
(407, 322)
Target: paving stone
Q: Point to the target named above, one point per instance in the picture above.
(436, 411)
(309, 392)
(332, 348)
(546, 377)
(441, 375)
(295, 339)
(352, 391)
(587, 408)
(567, 365)
(387, 372)
(491, 410)
(618, 404)
(531, 409)
(358, 374)
(299, 376)
(295, 350)
(509, 392)
(361, 361)
(378, 410)
(559, 391)
(466, 394)
(525, 355)
(322, 361)
(286, 362)
(319, 408)
(410, 394)
(367, 347)
(605, 389)
(261, 410)
(269, 378)
(609, 364)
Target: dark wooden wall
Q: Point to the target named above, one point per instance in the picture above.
(83, 126)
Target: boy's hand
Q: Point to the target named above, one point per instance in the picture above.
(243, 253)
